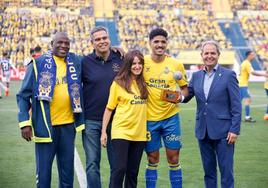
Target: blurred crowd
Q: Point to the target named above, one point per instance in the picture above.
(256, 32)
(162, 4)
(21, 31)
(248, 5)
(189, 22)
(254, 27)
(48, 3)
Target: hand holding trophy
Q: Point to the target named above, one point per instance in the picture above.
(172, 96)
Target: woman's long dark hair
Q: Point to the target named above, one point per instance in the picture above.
(123, 77)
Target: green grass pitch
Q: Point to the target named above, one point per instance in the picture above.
(17, 163)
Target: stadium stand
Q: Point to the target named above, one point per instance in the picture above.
(72, 4)
(255, 31)
(188, 24)
(28, 23)
(248, 5)
(161, 4)
(24, 28)
(104, 17)
(252, 16)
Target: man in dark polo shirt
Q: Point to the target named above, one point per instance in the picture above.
(98, 71)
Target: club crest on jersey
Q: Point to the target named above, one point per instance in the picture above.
(116, 67)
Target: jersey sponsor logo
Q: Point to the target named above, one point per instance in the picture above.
(137, 100)
(158, 83)
(172, 138)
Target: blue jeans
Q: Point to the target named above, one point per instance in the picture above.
(92, 146)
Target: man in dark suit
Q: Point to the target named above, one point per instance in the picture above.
(218, 115)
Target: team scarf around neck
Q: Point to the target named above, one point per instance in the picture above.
(46, 80)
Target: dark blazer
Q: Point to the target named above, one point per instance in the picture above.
(220, 113)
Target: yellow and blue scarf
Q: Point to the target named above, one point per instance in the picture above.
(46, 80)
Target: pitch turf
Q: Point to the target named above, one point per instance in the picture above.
(17, 163)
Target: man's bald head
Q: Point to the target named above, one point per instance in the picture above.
(60, 44)
(60, 34)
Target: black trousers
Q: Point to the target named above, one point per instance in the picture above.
(127, 158)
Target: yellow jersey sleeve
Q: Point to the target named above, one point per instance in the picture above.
(113, 101)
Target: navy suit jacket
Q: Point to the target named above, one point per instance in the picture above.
(220, 113)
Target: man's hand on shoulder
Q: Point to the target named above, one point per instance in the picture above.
(118, 49)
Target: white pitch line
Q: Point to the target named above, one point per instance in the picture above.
(79, 170)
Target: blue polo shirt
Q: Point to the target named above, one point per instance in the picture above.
(97, 77)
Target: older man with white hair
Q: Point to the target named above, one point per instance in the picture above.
(218, 115)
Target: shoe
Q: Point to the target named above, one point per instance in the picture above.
(250, 120)
(0, 97)
(265, 117)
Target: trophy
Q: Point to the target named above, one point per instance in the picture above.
(168, 95)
